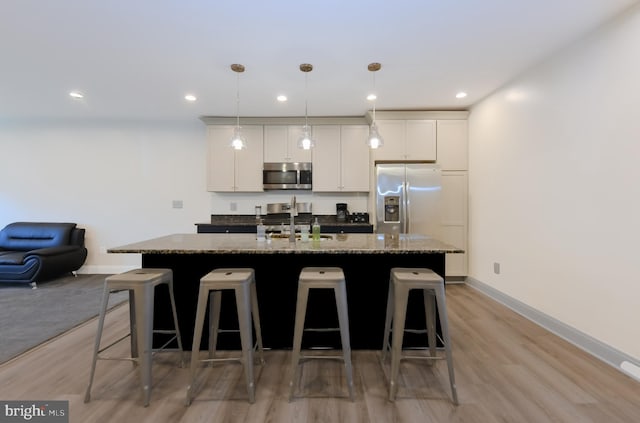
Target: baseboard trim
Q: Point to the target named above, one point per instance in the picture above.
(93, 269)
(615, 358)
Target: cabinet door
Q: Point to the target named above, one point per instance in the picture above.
(276, 138)
(281, 144)
(393, 133)
(420, 140)
(454, 219)
(232, 170)
(326, 158)
(220, 159)
(294, 153)
(248, 161)
(453, 144)
(354, 155)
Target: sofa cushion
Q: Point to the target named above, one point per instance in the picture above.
(13, 257)
(25, 236)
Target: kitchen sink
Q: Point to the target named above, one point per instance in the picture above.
(298, 236)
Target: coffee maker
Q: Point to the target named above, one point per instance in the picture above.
(341, 212)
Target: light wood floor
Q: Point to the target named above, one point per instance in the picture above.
(507, 370)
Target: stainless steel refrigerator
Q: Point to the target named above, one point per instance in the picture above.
(408, 199)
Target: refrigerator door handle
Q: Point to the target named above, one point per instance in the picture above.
(405, 207)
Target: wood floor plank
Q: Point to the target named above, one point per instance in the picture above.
(507, 370)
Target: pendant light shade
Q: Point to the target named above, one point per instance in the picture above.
(238, 141)
(375, 139)
(305, 141)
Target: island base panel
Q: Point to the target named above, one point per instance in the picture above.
(367, 277)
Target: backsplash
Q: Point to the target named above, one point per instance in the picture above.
(323, 203)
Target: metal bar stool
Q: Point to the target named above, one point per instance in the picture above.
(323, 278)
(403, 280)
(141, 284)
(242, 282)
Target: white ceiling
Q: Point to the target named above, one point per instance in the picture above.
(138, 58)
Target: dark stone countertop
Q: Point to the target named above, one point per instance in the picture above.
(250, 220)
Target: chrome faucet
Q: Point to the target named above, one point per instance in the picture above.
(292, 213)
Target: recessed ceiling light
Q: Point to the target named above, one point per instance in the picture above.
(282, 98)
(190, 97)
(76, 94)
(371, 97)
(461, 94)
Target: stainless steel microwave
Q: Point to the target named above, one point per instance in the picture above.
(286, 176)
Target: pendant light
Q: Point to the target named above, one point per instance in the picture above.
(305, 141)
(237, 141)
(375, 139)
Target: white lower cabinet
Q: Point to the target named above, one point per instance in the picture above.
(340, 158)
(230, 170)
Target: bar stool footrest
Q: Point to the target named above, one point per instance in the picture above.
(321, 330)
(322, 357)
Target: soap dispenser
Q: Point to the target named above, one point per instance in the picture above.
(315, 230)
(261, 231)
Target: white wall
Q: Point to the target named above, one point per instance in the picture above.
(118, 179)
(555, 186)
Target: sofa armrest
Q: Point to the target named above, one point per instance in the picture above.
(55, 261)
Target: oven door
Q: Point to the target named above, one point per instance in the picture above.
(280, 179)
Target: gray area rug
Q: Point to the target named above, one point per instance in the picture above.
(29, 317)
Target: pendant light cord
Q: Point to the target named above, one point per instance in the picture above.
(238, 101)
(306, 98)
(376, 99)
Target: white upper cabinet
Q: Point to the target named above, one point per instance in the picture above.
(453, 144)
(326, 158)
(232, 170)
(413, 139)
(421, 140)
(393, 133)
(354, 161)
(340, 158)
(281, 144)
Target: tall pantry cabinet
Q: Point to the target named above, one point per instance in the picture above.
(453, 160)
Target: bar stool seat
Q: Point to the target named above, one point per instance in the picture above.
(323, 278)
(141, 284)
(242, 282)
(402, 280)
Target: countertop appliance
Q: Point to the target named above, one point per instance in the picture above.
(341, 212)
(408, 198)
(286, 176)
(358, 217)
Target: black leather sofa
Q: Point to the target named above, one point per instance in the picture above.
(33, 252)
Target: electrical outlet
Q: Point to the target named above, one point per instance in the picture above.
(103, 250)
(176, 204)
(496, 268)
(233, 206)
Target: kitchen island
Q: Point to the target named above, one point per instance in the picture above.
(365, 258)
